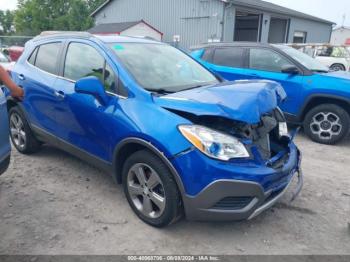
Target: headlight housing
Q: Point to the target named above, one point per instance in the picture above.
(213, 143)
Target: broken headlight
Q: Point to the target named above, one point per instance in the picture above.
(213, 143)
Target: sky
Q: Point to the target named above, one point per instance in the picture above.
(332, 10)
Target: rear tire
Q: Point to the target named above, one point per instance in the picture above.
(21, 135)
(151, 189)
(327, 124)
(337, 67)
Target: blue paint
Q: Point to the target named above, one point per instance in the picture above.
(299, 88)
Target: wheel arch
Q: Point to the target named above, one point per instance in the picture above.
(319, 99)
(11, 102)
(339, 63)
(131, 145)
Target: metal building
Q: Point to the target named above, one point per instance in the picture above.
(341, 36)
(198, 21)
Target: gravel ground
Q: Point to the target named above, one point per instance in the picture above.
(53, 203)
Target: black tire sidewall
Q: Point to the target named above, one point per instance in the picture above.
(338, 65)
(31, 145)
(172, 195)
(339, 111)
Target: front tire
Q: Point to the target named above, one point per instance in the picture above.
(327, 124)
(21, 135)
(151, 189)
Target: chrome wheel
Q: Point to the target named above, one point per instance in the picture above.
(18, 133)
(326, 125)
(146, 190)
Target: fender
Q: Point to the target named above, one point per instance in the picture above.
(319, 95)
(153, 149)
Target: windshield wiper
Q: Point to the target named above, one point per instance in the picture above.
(193, 87)
(160, 91)
(320, 71)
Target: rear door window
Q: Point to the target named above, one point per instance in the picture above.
(231, 57)
(47, 57)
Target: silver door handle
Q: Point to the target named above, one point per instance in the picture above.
(60, 94)
(21, 77)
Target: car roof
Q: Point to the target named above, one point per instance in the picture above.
(48, 35)
(231, 44)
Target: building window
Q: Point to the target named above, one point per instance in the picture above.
(299, 37)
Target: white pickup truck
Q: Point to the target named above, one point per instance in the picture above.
(337, 58)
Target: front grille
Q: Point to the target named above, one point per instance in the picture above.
(233, 203)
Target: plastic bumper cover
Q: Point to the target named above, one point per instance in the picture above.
(203, 206)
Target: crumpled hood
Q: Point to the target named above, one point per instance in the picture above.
(244, 101)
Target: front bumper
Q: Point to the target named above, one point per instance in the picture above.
(238, 199)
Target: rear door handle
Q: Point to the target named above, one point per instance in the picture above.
(59, 94)
(21, 77)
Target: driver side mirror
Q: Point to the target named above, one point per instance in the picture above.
(91, 85)
(290, 69)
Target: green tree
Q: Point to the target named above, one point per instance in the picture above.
(6, 22)
(35, 16)
(94, 4)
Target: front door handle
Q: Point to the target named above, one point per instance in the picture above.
(21, 77)
(59, 94)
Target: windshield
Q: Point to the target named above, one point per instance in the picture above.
(3, 58)
(307, 61)
(162, 68)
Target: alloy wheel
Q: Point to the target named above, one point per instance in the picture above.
(146, 190)
(18, 133)
(326, 125)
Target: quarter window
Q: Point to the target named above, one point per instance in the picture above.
(83, 60)
(47, 57)
(267, 60)
(231, 57)
(32, 57)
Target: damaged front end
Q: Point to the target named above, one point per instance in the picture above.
(243, 186)
(246, 110)
(268, 141)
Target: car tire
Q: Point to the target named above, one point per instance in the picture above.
(21, 135)
(327, 124)
(337, 67)
(151, 189)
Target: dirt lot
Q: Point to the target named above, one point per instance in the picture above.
(53, 203)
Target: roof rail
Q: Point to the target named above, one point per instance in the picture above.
(49, 33)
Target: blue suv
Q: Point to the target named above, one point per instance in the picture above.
(317, 98)
(178, 138)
